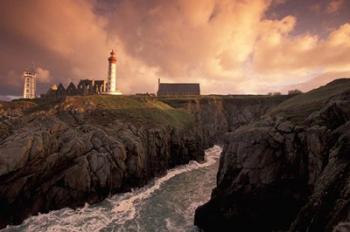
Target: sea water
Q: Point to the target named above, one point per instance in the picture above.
(166, 204)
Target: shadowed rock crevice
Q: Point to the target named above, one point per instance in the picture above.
(83, 149)
(288, 171)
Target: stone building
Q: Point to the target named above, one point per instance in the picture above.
(178, 89)
(91, 87)
(72, 90)
(85, 87)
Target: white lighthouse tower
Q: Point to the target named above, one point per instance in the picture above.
(29, 90)
(111, 87)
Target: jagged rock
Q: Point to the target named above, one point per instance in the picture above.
(15, 152)
(329, 201)
(285, 173)
(261, 182)
(66, 153)
(78, 176)
(342, 227)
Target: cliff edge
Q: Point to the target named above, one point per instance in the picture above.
(288, 171)
(82, 149)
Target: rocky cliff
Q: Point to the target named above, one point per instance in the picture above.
(216, 115)
(82, 149)
(85, 148)
(288, 171)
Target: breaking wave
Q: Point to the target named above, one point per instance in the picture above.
(166, 204)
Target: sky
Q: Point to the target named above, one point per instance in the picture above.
(228, 46)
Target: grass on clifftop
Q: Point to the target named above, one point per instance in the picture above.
(182, 101)
(18, 104)
(301, 106)
(124, 102)
(104, 109)
(144, 111)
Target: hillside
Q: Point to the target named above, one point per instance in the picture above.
(301, 106)
(288, 171)
(82, 149)
(144, 110)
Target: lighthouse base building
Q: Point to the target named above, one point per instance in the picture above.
(111, 86)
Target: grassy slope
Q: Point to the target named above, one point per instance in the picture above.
(24, 104)
(143, 110)
(140, 110)
(181, 101)
(104, 109)
(301, 106)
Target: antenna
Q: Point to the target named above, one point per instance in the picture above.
(32, 68)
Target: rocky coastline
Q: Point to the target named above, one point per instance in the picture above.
(288, 171)
(83, 149)
(75, 153)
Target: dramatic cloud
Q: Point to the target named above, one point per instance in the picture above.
(334, 6)
(229, 46)
(68, 29)
(43, 75)
(316, 81)
(301, 54)
(72, 34)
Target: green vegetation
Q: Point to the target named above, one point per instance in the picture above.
(18, 104)
(144, 111)
(170, 111)
(104, 109)
(301, 106)
(122, 102)
(181, 101)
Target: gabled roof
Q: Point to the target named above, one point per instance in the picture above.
(71, 86)
(179, 88)
(60, 87)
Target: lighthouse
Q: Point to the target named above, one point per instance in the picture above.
(111, 87)
(29, 90)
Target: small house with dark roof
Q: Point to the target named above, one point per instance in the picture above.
(178, 89)
(72, 90)
(61, 91)
(85, 87)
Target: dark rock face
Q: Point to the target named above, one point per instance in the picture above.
(256, 181)
(72, 153)
(217, 115)
(276, 174)
(50, 160)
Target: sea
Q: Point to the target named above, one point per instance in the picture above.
(167, 203)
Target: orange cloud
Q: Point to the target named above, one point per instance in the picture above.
(43, 75)
(226, 45)
(301, 56)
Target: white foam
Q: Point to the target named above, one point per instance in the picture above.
(171, 226)
(121, 207)
(127, 206)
